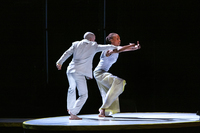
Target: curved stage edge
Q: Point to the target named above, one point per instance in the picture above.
(120, 122)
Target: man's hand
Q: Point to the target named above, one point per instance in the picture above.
(58, 66)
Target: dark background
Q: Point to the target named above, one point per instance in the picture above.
(163, 76)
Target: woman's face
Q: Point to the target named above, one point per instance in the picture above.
(115, 40)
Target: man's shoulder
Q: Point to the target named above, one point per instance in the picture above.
(75, 42)
(85, 43)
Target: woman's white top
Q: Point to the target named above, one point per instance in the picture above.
(106, 62)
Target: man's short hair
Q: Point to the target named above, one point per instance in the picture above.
(88, 35)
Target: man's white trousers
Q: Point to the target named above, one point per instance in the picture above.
(76, 81)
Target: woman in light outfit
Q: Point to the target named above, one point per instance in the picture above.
(111, 86)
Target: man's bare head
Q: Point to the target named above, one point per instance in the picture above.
(89, 36)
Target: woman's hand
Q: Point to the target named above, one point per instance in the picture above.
(138, 46)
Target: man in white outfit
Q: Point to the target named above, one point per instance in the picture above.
(80, 68)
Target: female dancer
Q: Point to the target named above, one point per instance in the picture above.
(111, 86)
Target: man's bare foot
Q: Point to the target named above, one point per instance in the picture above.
(101, 113)
(74, 117)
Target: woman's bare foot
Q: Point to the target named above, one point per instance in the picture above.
(101, 113)
(74, 117)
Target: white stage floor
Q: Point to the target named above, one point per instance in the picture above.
(120, 121)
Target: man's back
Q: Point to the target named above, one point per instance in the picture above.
(83, 53)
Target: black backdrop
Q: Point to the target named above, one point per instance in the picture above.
(162, 76)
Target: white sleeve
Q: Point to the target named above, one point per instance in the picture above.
(65, 55)
(105, 47)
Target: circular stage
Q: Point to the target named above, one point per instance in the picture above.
(120, 122)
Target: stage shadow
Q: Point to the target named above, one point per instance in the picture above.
(134, 119)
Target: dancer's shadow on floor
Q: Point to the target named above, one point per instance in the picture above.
(134, 119)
